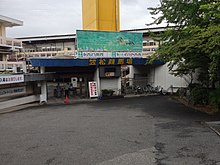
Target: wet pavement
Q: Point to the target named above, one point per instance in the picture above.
(130, 131)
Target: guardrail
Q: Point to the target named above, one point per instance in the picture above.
(61, 53)
(13, 66)
(10, 42)
(41, 54)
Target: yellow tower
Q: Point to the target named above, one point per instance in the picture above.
(101, 15)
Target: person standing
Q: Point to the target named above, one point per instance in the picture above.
(66, 90)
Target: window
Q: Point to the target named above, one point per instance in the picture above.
(152, 43)
(146, 49)
(110, 72)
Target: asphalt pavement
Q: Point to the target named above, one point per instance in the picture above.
(131, 131)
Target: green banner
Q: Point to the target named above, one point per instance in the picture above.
(108, 41)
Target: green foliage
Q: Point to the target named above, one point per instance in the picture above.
(194, 44)
(181, 92)
(211, 12)
(107, 92)
(187, 12)
(199, 95)
(214, 97)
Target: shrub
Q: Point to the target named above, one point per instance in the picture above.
(199, 95)
(107, 92)
(214, 98)
(181, 92)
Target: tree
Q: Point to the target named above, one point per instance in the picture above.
(193, 44)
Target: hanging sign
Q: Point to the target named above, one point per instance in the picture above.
(111, 61)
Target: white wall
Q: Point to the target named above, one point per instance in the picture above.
(165, 79)
(19, 101)
(146, 71)
(111, 83)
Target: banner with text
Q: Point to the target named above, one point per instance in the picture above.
(10, 79)
(93, 92)
(12, 91)
(99, 44)
(109, 54)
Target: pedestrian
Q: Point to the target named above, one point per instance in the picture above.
(58, 90)
(66, 90)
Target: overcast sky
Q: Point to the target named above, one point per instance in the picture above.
(52, 17)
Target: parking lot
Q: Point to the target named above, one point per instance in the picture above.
(139, 130)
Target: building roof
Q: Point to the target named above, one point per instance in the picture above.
(73, 36)
(48, 38)
(147, 30)
(10, 22)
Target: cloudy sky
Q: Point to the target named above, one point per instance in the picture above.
(52, 17)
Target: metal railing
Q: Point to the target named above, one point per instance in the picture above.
(13, 66)
(10, 42)
(41, 54)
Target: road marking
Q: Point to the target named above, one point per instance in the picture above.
(145, 156)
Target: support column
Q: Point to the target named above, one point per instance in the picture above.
(4, 59)
(43, 96)
(86, 87)
(24, 66)
(98, 82)
(97, 79)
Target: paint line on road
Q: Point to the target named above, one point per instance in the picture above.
(211, 126)
(145, 156)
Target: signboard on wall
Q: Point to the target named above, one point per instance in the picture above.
(111, 61)
(93, 89)
(10, 79)
(12, 91)
(100, 44)
(74, 82)
(109, 54)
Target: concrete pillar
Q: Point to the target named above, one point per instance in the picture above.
(86, 87)
(119, 86)
(24, 66)
(2, 30)
(42, 69)
(4, 59)
(97, 79)
(43, 96)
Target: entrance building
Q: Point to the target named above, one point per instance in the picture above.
(106, 74)
(59, 54)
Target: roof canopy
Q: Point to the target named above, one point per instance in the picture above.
(10, 22)
(51, 62)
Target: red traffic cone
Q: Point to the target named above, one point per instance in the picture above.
(67, 100)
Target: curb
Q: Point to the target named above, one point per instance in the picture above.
(18, 108)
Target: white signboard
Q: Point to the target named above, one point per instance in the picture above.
(12, 91)
(94, 54)
(109, 54)
(10, 79)
(93, 89)
(128, 54)
(74, 81)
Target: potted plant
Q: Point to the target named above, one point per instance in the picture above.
(107, 92)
